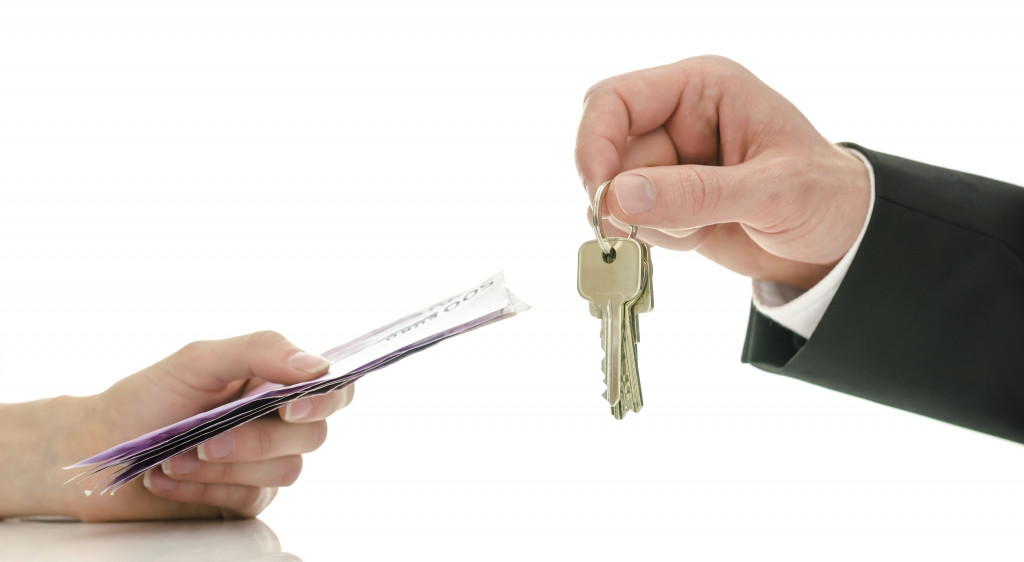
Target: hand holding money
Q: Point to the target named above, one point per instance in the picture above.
(234, 475)
(228, 421)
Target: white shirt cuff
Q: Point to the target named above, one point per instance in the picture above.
(801, 310)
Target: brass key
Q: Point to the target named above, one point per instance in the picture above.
(610, 281)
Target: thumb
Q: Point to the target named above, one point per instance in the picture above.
(680, 197)
(212, 365)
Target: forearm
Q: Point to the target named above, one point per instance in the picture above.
(35, 438)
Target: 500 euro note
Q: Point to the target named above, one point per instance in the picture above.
(481, 305)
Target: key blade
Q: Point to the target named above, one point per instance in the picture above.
(632, 397)
(612, 353)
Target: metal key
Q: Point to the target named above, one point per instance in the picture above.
(631, 398)
(629, 377)
(618, 410)
(645, 302)
(610, 281)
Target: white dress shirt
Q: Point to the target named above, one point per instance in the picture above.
(801, 310)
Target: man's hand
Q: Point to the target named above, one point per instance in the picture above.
(705, 156)
(233, 475)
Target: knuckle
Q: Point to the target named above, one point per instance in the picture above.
(263, 339)
(193, 350)
(319, 435)
(291, 468)
(693, 192)
(222, 471)
(595, 89)
(244, 496)
(716, 63)
(614, 87)
(711, 59)
(264, 444)
(206, 493)
(578, 156)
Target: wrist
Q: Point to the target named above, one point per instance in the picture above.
(858, 183)
(39, 438)
(850, 189)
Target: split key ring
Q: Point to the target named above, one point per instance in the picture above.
(606, 247)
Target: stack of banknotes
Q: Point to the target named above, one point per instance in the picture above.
(484, 304)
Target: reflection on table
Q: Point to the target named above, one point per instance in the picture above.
(62, 539)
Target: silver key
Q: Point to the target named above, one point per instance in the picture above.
(611, 281)
(631, 398)
(627, 367)
(618, 410)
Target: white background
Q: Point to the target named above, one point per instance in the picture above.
(193, 170)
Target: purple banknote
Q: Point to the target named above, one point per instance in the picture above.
(487, 302)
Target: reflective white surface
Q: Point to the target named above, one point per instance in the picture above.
(63, 541)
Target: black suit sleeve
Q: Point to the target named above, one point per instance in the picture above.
(930, 315)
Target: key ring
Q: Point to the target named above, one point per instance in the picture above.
(606, 247)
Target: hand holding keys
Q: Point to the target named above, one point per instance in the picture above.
(615, 276)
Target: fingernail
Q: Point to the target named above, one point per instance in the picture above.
(298, 409)
(216, 448)
(635, 194)
(182, 464)
(312, 364)
(160, 482)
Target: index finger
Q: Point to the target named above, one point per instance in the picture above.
(212, 365)
(618, 108)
